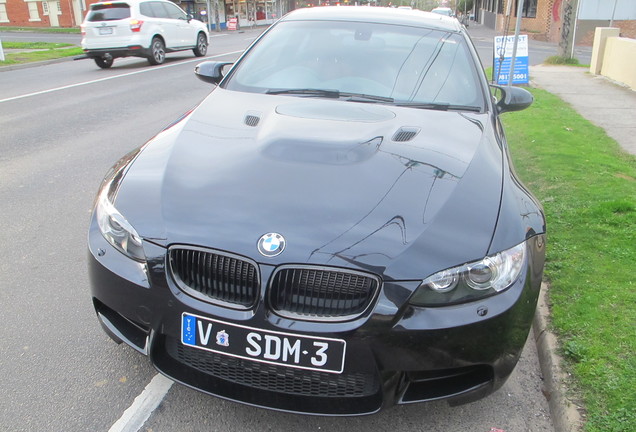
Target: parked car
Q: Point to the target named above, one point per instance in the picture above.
(140, 28)
(335, 229)
(443, 11)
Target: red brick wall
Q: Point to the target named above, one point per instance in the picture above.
(586, 28)
(545, 26)
(18, 13)
(628, 28)
(536, 28)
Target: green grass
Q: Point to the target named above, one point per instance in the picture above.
(559, 60)
(45, 51)
(588, 188)
(41, 29)
(34, 45)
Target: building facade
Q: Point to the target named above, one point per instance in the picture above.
(548, 20)
(42, 13)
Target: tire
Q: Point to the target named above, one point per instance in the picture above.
(157, 52)
(104, 62)
(202, 45)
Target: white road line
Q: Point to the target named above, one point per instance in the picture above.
(136, 415)
(156, 68)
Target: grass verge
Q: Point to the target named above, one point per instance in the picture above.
(43, 51)
(559, 60)
(42, 29)
(34, 45)
(588, 188)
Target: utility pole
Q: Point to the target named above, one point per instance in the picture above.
(576, 21)
(217, 21)
(613, 12)
(514, 46)
(208, 15)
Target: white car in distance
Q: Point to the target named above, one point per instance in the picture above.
(146, 28)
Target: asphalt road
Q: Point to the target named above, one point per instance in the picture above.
(27, 36)
(61, 127)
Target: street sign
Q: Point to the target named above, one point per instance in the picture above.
(503, 60)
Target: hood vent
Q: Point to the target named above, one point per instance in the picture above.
(252, 119)
(405, 134)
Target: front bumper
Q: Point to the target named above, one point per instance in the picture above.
(395, 354)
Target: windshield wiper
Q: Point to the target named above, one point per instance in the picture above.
(307, 92)
(335, 94)
(359, 97)
(439, 106)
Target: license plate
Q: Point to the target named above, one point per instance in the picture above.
(105, 30)
(265, 346)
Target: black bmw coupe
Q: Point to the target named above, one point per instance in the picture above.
(337, 227)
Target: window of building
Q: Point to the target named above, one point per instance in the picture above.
(3, 12)
(34, 13)
(45, 7)
(59, 8)
(529, 8)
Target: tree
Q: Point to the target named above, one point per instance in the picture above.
(465, 6)
(568, 25)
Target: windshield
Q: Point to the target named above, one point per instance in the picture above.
(379, 63)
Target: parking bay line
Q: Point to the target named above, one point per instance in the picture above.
(143, 406)
(198, 59)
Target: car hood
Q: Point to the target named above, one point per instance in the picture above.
(397, 191)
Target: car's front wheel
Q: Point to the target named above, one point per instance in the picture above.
(202, 45)
(104, 62)
(157, 52)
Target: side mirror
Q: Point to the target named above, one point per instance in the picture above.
(210, 71)
(513, 99)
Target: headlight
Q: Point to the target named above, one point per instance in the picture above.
(116, 229)
(472, 281)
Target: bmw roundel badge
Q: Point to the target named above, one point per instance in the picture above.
(271, 244)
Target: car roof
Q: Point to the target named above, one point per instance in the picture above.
(381, 15)
(128, 2)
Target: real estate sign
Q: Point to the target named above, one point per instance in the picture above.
(503, 60)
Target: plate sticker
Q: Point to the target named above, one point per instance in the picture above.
(265, 346)
(189, 325)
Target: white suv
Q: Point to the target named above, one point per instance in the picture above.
(140, 28)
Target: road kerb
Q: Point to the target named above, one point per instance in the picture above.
(566, 415)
